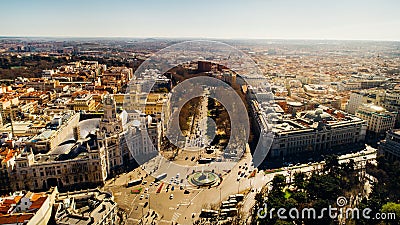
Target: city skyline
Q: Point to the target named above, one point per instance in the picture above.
(356, 20)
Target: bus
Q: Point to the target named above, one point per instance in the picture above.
(205, 160)
(207, 213)
(134, 182)
(161, 176)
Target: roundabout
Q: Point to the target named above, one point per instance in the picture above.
(204, 179)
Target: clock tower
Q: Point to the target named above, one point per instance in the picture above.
(110, 124)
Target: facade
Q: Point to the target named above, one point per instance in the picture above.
(84, 164)
(84, 103)
(312, 132)
(390, 147)
(391, 102)
(357, 98)
(309, 132)
(388, 99)
(315, 132)
(348, 85)
(128, 137)
(79, 160)
(378, 118)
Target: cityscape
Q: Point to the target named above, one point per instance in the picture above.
(182, 128)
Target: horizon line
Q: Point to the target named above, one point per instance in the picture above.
(193, 38)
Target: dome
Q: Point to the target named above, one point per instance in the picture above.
(318, 114)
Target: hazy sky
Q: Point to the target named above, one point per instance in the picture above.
(288, 19)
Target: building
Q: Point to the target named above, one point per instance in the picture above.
(27, 208)
(110, 124)
(89, 207)
(79, 160)
(128, 137)
(388, 99)
(84, 102)
(204, 66)
(311, 132)
(315, 132)
(357, 98)
(56, 131)
(362, 83)
(390, 147)
(378, 118)
(391, 101)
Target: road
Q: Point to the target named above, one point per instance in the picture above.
(180, 208)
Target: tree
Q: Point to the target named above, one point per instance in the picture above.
(392, 207)
(278, 182)
(332, 164)
(299, 180)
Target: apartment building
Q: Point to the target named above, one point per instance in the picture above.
(378, 118)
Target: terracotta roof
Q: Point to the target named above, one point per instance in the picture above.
(10, 219)
(38, 203)
(9, 155)
(17, 198)
(36, 196)
(4, 209)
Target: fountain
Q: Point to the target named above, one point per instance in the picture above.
(204, 178)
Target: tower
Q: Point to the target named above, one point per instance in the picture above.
(110, 124)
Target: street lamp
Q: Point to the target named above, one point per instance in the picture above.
(220, 199)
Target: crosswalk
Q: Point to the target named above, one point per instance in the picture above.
(175, 217)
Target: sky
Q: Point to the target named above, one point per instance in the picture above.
(231, 19)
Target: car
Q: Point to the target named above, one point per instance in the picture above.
(240, 172)
(290, 165)
(141, 197)
(238, 178)
(151, 184)
(144, 182)
(181, 187)
(146, 190)
(156, 184)
(177, 175)
(309, 163)
(171, 196)
(298, 164)
(186, 192)
(172, 188)
(147, 196)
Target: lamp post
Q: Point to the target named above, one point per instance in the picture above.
(220, 198)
